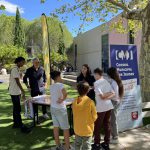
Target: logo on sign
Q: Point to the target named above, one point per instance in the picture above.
(124, 55)
(134, 115)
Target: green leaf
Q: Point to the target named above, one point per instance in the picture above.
(2, 7)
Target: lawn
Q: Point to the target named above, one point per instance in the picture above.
(12, 139)
(41, 138)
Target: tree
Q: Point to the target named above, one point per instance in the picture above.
(2, 7)
(60, 41)
(8, 53)
(19, 38)
(6, 29)
(134, 10)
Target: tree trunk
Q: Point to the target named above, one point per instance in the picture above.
(145, 55)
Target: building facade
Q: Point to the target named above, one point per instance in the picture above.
(92, 47)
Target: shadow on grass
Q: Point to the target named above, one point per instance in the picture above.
(40, 138)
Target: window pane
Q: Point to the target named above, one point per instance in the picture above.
(105, 52)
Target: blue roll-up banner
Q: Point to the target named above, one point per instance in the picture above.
(124, 58)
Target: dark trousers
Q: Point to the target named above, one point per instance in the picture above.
(36, 93)
(16, 110)
(102, 120)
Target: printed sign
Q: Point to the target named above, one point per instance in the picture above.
(124, 58)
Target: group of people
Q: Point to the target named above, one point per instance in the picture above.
(96, 105)
(36, 85)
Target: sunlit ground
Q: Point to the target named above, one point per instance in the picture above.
(12, 139)
(40, 138)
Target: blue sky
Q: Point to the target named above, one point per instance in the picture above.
(31, 9)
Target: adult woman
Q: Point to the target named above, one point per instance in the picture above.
(15, 91)
(86, 76)
(117, 86)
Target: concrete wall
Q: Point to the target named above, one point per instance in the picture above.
(89, 46)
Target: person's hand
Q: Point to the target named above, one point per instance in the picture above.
(60, 100)
(45, 85)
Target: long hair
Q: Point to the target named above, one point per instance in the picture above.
(88, 70)
(113, 74)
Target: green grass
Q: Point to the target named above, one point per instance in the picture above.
(41, 137)
(12, 139)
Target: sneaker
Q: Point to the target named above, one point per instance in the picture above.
(96, 146)
(105, 146)
(60, 147)
(45, 116)
(114, 141)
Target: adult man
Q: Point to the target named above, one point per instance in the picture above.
(37, 81)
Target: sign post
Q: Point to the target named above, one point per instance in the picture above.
(124, 58)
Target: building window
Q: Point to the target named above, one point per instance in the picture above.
(131, 37)
(105, 52)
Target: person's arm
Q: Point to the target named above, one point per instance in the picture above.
(15, 74)
(64, 92)
(44, 78)
(99, 92)
(78, 80)
(20, 86)
(107, 96)
(92, 82)
(93, 111)
(116, 90)
(25, 81)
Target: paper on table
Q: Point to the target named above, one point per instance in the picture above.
(40, 98)
(68, 101)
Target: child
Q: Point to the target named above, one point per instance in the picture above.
(58, 110)
(84, 116)
(104, 93)
(117, 86)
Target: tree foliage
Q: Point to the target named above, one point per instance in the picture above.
(19, 38)
(2, 7)
(91, 10)
(60, 38)
(7, 29)
(60, 41)
(8, 53)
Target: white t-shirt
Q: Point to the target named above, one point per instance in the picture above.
(102, 86)
(56, 93)
(13, 87)
(115, 88)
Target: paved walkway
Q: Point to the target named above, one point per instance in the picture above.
(137, 139)
(4, 78)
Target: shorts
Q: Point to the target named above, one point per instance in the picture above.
(60, 118)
